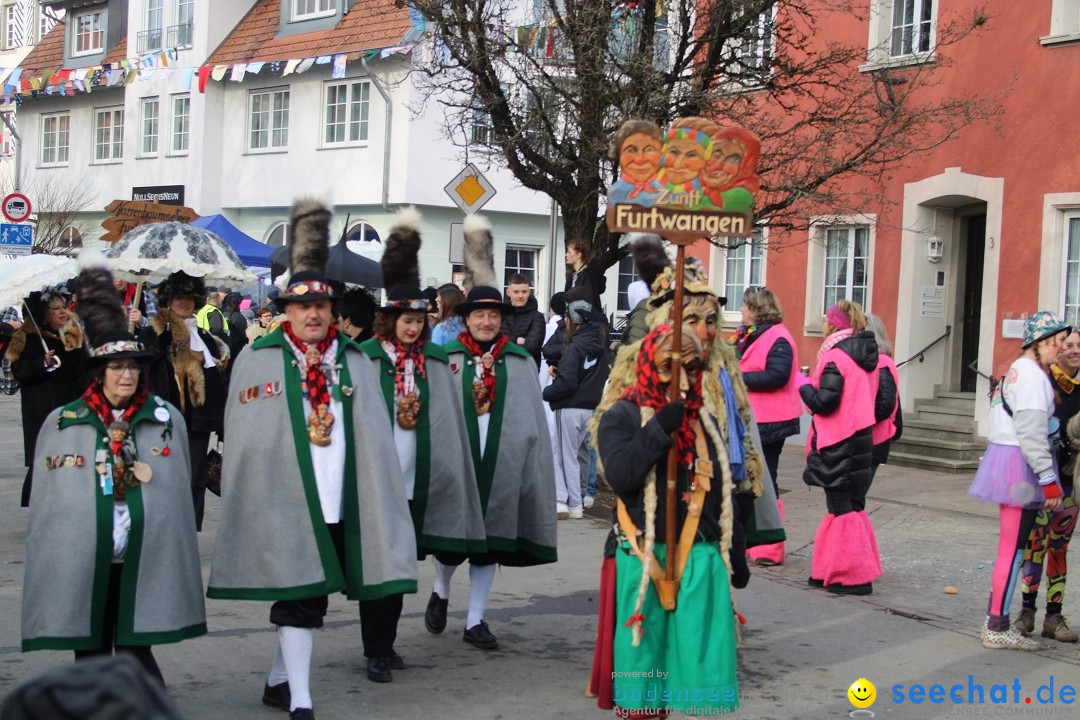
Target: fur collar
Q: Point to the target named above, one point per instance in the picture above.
(71, 334)
(187, 365)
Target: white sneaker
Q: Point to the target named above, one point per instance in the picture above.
(1010, 639)
(576, 512)
(562, 510)
(589, 501)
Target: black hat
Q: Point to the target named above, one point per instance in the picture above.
(103, 316)
(180, 284)
(309, 252)
(481, 297)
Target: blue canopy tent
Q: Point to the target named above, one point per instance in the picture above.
(252, 252)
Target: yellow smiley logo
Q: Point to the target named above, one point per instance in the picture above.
(862, 693)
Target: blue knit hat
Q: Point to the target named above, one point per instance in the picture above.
(1041, 325)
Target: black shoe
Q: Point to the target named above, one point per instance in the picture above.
(378, 670)
(396, 662)
(481, 637)
(435, 615)
(814, 582)
(838, 589)
(277, 696)
(302, 714)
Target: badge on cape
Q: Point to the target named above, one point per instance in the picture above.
(161, 415)
(142, 471)
(454, 367)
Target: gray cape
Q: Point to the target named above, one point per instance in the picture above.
(765, 525)
(272, 541)
(446, 504)
(69, 543)
(516, 475)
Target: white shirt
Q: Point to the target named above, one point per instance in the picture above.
(1026, 387)
(196, 343)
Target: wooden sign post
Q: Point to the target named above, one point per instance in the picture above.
(697, 180)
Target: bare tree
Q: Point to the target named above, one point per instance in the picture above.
(541, 86)
(60, 201)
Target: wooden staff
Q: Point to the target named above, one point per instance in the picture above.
(135, 304)
(41, 337)
(673, 396)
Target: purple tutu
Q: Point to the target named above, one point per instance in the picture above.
(1005, 478)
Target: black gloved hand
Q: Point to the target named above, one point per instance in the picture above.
(740, 570)
(164, 340)
(671, 416)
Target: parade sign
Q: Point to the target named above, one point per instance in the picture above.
(128, 214)
(696, 180)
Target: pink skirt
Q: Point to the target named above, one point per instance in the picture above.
(1005, 478)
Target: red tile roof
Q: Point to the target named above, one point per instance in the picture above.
(49, 53)
(371, 24)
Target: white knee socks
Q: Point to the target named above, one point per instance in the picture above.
(278, 674)
(480, 579)
(443, 573)
(294, 644)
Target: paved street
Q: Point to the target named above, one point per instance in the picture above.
(801, 649)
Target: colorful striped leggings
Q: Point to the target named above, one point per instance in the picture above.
(1047, 546)
(1015, 528)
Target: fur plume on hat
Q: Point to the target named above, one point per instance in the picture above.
(649, 256)
(310, 246)
(99, 303)
(479, 253)
(400, 261)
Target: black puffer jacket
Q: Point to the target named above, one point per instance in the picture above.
(526, 322)
(582, 370)
(884, 406)
(839, 466)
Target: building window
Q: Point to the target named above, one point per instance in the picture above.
(744, 266)
(151, 39)
(55, 136)
(11, 27)
(149, 144)
(108, 135)
(361, 232)
(277, 234)
(308, 9)
(269, 129)
(520, 260)
(847, 256)
(70, 238)
(627, 275)
(754, 52)
(180, 35)
(1072, 268)
(481, 131)
(46, 22)
(181, 124)
(912, 22)
(89, 33)
(347, 112)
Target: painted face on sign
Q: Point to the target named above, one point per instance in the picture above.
(684, 158)
(723, 167)
(639, 157)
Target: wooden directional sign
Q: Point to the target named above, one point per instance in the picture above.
(128, 214)
(694, 181)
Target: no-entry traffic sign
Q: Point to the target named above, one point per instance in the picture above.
(16, 207)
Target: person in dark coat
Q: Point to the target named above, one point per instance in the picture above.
(187, 371)
(356, 315)
(581, 275)
(230, 306)
(842, 394)
(582, 372)
(49, 374)
(523, 323)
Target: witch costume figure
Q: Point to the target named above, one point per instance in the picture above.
(112, 560)
(429, 434)
(322, 508)
(686, 627)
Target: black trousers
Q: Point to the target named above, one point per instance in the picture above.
(142, 653)
(772, 451)
(198, 445)
(309, 612)
(378, 625)
(841, 502)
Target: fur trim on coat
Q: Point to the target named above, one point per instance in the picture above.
(187, 365)
(71, 334)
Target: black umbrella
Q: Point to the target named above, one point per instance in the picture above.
(344, 266)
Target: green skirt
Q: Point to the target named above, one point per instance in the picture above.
(686, 659)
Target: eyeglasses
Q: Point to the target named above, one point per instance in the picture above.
(122, 369)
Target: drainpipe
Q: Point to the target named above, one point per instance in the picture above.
(18, 149)
(386, 134)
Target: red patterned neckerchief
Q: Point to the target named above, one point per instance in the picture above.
(317, 389)
(488, 377)
(415, 353)
(649, 186)
(649, 393)
(94, 397)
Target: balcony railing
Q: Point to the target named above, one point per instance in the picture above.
(180, 35)
(149, 41)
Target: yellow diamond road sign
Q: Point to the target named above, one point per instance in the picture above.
(470, 190)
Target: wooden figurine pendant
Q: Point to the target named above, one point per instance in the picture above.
(481, 400)
(313, 357)
(320, 422)
(408, 412)
(487, 361)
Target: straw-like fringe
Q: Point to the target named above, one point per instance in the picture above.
(650, 540)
